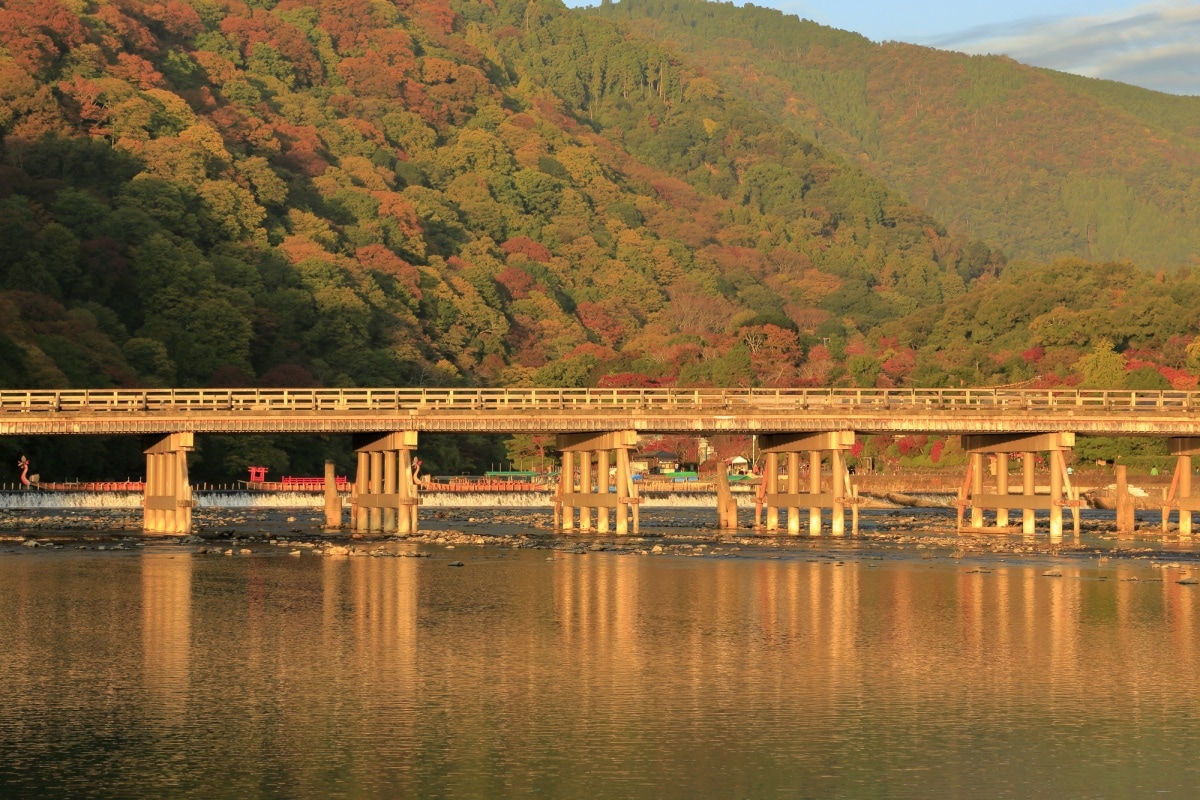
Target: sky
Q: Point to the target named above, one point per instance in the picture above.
(1154, 43)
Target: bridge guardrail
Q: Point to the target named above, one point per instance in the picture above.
(537, 399)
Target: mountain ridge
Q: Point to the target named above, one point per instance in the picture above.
(978, 141)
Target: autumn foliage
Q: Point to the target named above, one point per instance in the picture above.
(343, 192)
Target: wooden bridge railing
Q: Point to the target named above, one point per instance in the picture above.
(583, 400)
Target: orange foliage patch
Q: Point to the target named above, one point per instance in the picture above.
(526, 246)
(378, 257)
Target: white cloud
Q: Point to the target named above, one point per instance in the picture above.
(1156, 45)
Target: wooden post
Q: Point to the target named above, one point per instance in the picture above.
(406, 498)
(1183, 467)
(793, 487)
(391, 460)
(585, 486)
(624, 479)
(602, 488)
(360, 484)
(771, 476)
(151, 516)
(976, 489)
(375, 487)
(634, 506)
(814, 487)
(837, 483)
(1124, 502)
(408, 475)
(566, 483)
(1027, 489)
(1056, 494)
(724, 499)
(171, 474)
(964, 494)
(854, 508)
(1166, 510)
(333, 503)
(1072, 494)
(1002, 488)
(760, 495)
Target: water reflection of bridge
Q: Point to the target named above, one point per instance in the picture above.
(402, 671)
(596, 428)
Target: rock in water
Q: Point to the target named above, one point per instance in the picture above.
(1052, 573)
(1190, 580)
(456, 564)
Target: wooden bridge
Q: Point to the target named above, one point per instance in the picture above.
(113, 411)
(591, 424)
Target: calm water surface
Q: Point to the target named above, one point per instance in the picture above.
(159, 673)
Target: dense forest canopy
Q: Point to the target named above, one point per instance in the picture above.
(367, 192)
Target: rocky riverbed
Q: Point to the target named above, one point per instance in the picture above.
(457, 536)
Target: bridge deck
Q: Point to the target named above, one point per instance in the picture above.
(949, 411)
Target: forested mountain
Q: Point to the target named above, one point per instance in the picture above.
(1039, 163)
(366, 192)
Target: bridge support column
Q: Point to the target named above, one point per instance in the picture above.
(814, 489)
(840, 487)
(375, 488)
(333, 503)
(1002, 488)
(793, 444)
(588, 496)
(1125, 516)
(793, 487)
(726, 505)
(1183, 468)
(585, 487)
(385, 488)
(1180, 494)
(976, 467)
(1062, 494)
(564, 515)
(168, 496)
(771, 482)
(626, 483)
(1027, 490)
(602, 489)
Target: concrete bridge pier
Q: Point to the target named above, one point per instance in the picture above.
(168, 496)
(580, 450)
(385, 489)
(1062, 494)
(836, 443)
(1180, 494)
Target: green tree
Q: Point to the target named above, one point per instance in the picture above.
(1103, 368)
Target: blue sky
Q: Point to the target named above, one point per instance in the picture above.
(1154, 43)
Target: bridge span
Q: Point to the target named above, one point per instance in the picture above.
(943, 411)
(594, 424)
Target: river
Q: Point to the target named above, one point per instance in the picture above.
(867, 668)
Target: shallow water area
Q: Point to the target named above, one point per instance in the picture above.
(686, 662)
